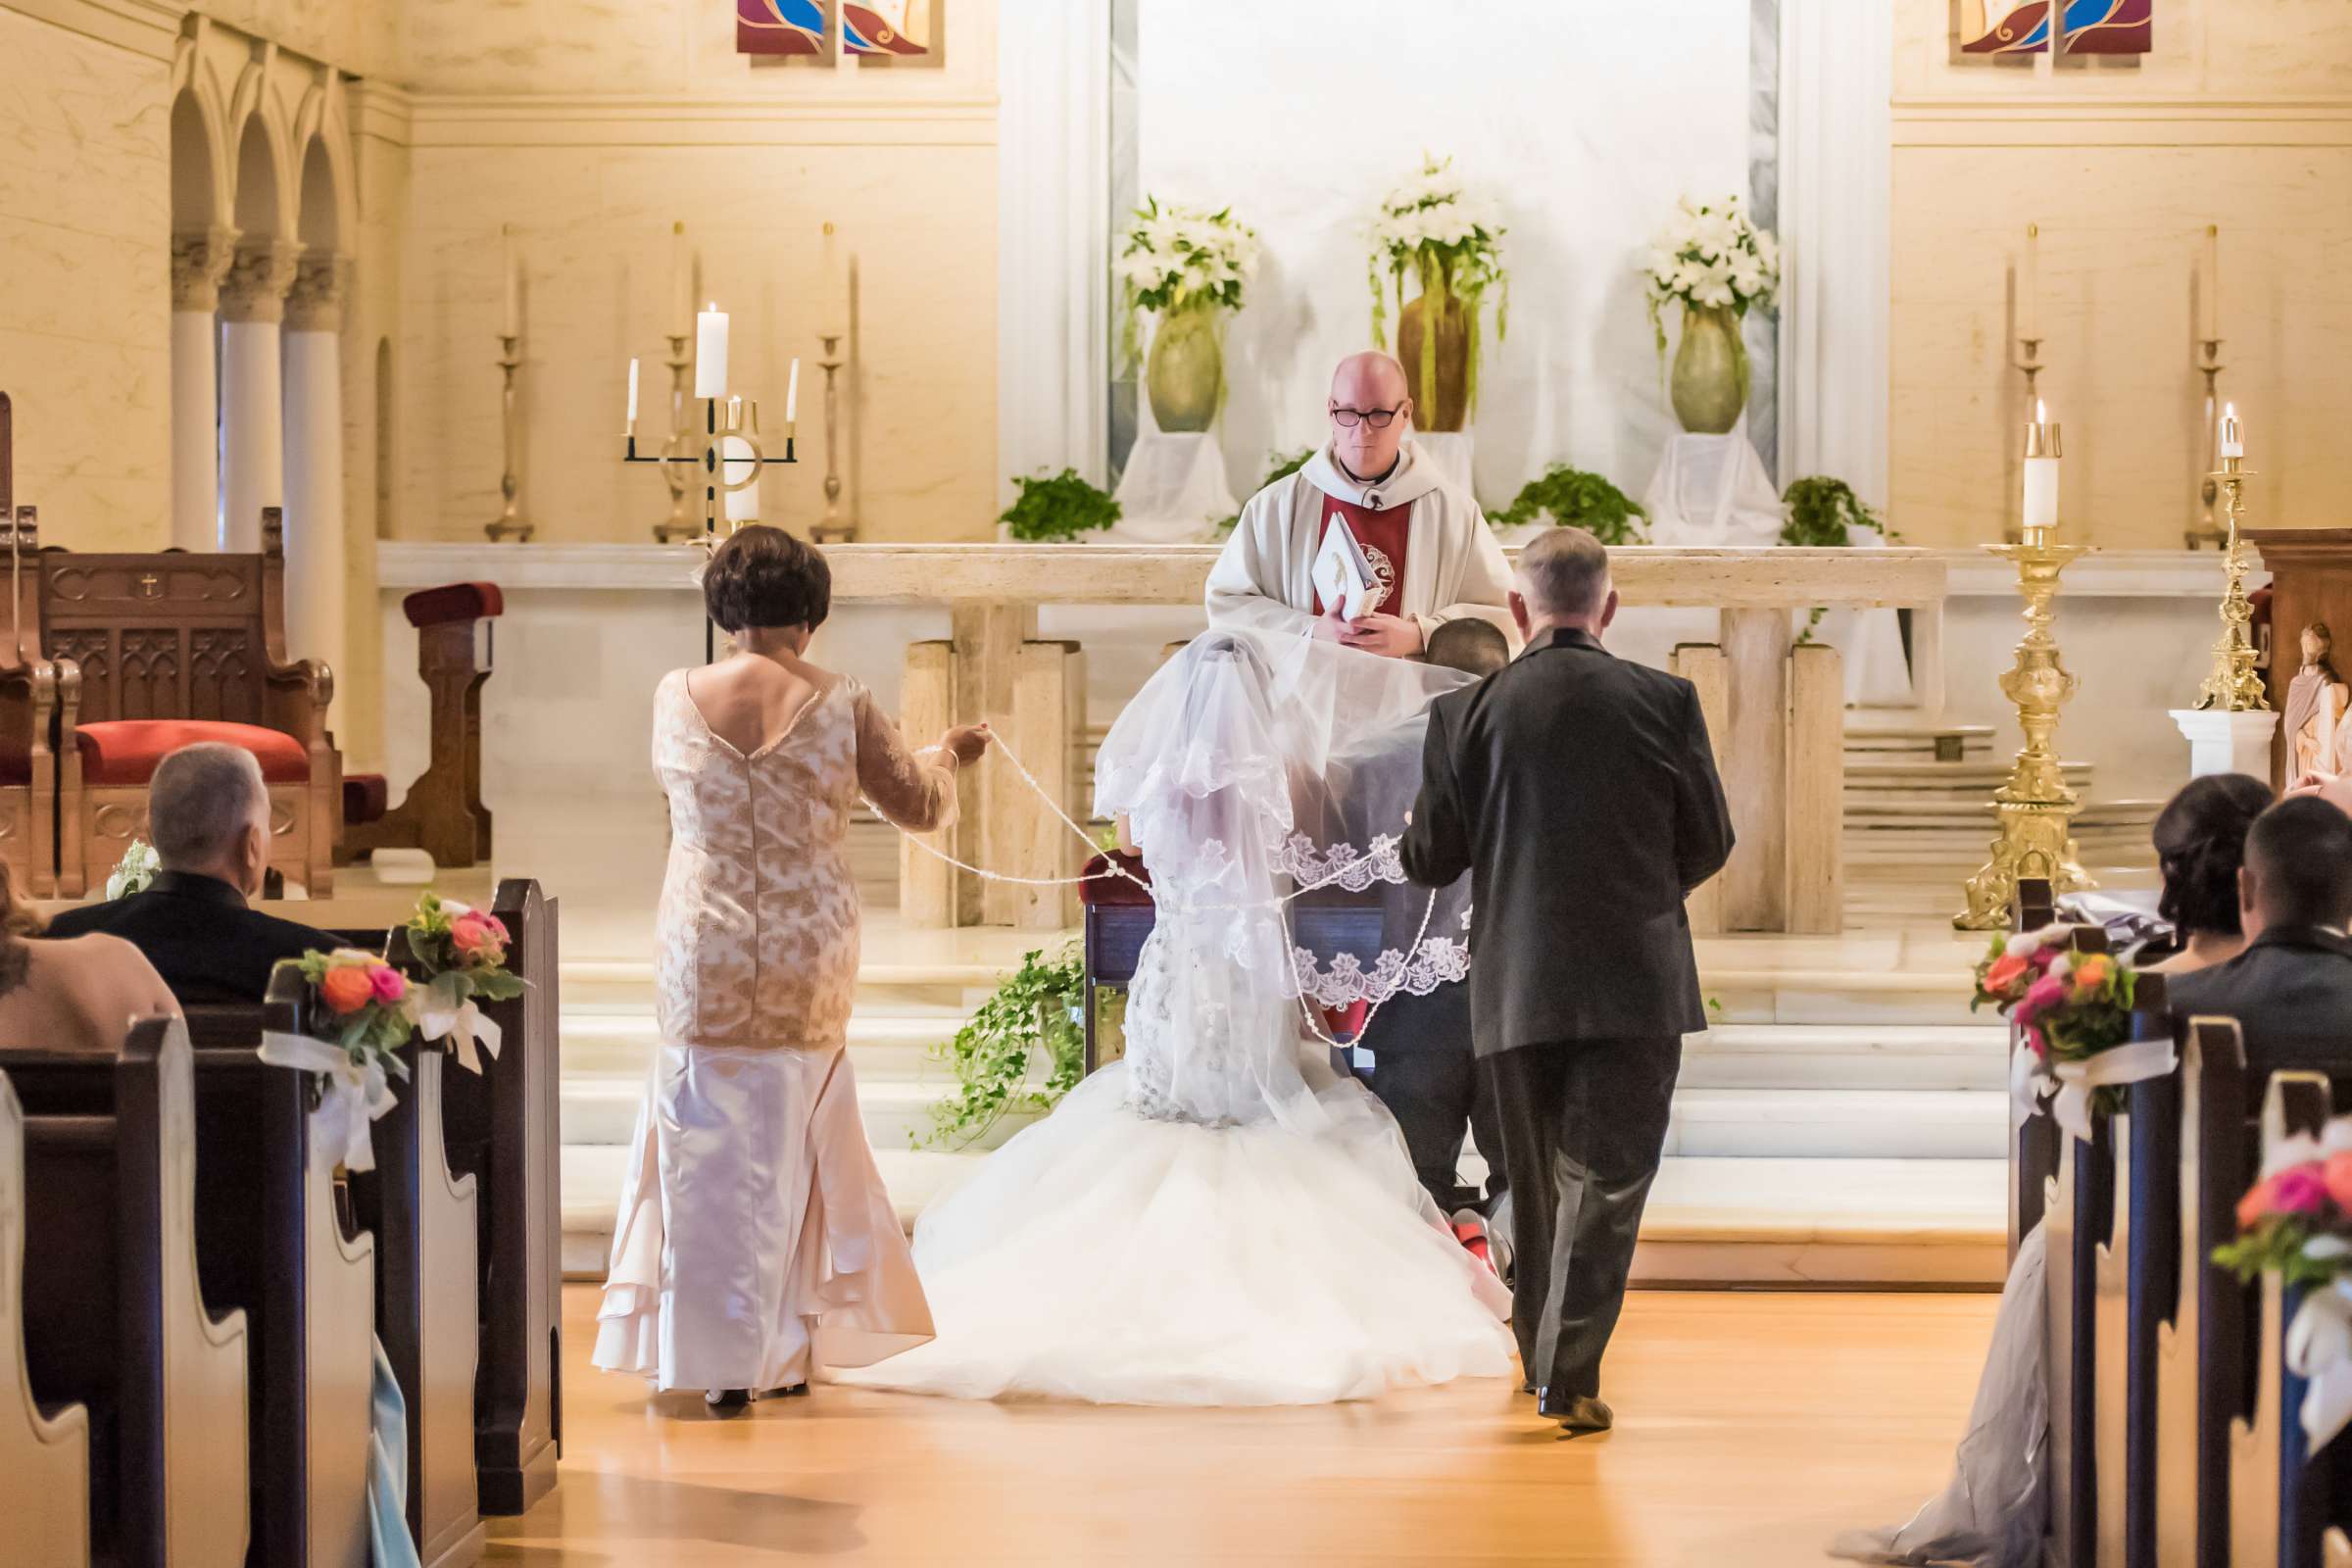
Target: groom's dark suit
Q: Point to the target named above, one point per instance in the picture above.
(1580, 791)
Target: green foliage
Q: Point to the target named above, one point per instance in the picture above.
(1040, 1008)
(1057, 507)
(1821, 511)
(2276, 1246)
(1283, 466)
(1580, 499)
(371, 1032)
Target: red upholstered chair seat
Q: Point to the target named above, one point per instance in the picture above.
(125, 751)
(457, 601)
(1114, 890)
(366, 797)
(16, 769)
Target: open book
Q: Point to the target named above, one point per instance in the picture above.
(1343, 576)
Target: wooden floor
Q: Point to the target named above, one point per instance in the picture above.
(1751, 1427)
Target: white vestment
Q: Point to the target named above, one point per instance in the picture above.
(1264, 582)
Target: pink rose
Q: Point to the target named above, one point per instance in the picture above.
(389, 983)
(470, 933)
(2045, 993)
(2299, 1190)
(498, 927)
(2036, 1042)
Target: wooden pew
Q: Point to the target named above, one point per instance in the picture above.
(270, 1242)
(44, 1456)
(2034, 1154)
(503, 1132)
(115, 1317)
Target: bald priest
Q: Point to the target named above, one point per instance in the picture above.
(1423, 553)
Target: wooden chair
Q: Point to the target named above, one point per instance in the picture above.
(28, 704)
(44, 1455)
(173, 649)
(114, 1316)
(443, 813)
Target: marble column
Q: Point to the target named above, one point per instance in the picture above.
(313, 467)
(253, 304)
(199, 262)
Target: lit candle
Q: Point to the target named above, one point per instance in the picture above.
(514, 280)
(2028, 284)
(2213, 282)
(792, 393)
(681, 279)
(2042, 471)
(632, 397)
(711, 353)
(2234, 435)
(742, 506)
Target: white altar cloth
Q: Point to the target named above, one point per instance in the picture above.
(1174, 490)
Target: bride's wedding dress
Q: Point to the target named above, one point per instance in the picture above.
(1219, 1218)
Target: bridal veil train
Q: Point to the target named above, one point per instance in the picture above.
(1220, 1219)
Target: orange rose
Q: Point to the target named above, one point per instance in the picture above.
(347, 989)
(2338, 1174)
(2003, 972)
(2092, 972)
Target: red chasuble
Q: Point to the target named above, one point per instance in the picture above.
(1383, 535)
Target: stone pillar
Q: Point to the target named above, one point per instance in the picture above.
(314, 461)
(2222, 742)
(253, 302)
(199, 262)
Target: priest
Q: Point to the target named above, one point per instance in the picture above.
(1429, 554)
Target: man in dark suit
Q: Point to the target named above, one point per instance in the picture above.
(1580, 792)
(209, 814)
(2291, 990)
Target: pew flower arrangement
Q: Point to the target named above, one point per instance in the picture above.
(365, 1011)
(2074, 1015)
(2296, 1222)
(461, 954)
(134, 870)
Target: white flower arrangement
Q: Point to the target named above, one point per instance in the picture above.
(132, 873)
(1171, 257)
(1433, 226)
(1710, 256)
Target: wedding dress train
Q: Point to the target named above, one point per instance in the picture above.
(1220, 1219)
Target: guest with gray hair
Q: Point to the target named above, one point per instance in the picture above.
(209, 817)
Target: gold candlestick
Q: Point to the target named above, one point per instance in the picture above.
(677, 458)
(832, 529)
(2205, 530)
(2233, 685)
(508, 522)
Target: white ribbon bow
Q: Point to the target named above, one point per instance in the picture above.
(353, 1097)
(442, 1015)
(2072, 1083)
(2318, 1350)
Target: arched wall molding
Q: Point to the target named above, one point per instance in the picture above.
(324, 117)
(193, 77)
(257, 102)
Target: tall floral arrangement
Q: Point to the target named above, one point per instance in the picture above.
(1174, 258)
(2296, 1222)
(1710, 256)
(1435, 228)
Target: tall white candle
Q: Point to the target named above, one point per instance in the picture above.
(2212, 282)
(2028, 286)
(513, 281)
(742, 506)
(711, 353)
(792, 393)
(681, 279)
(2234, 434)
(632, 397)
(2041, 479)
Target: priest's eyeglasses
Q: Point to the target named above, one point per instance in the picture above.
(1377, 419)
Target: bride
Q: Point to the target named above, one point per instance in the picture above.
(1220, 1219)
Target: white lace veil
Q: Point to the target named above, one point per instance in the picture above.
(1245, 768)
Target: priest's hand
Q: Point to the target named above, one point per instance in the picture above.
(1331, 628)
(1388, 636)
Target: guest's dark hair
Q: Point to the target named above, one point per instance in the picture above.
(2200, 843)
(762, 576)
(1471, 645)
(16, 922)
(2299, 854)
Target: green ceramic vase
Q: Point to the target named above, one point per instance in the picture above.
(1710, 371)
(1185, 375)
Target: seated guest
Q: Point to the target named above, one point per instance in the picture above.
(209, 814)
(2200, 846)
(80, 995)
(2291, 989)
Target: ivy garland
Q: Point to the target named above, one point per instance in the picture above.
(1040, 1009)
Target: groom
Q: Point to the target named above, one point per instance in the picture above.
(1579, 791)
(1432, 556)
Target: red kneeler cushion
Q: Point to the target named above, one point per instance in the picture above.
(457, 601)
(125, 751)
(366, 797)
(1101, 889)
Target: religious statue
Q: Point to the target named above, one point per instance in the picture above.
(2314, 707)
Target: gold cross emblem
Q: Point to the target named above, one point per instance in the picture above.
(148, 586)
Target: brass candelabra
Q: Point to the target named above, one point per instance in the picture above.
(832, 529)
(2205, 530)
(509, 523)
(2233, 685)
(725, 422)
(677, 462)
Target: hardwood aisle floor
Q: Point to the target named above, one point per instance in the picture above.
(1751, 1427)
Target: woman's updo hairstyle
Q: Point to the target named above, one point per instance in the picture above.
(762, 576)
(2200, 844)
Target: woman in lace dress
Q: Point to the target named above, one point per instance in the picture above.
(1219, 1218)
(755, 1244)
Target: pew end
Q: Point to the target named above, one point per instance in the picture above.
(44, 1455)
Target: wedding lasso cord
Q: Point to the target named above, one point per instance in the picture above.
(1115, 870)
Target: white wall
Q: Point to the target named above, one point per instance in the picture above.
(1588, 122)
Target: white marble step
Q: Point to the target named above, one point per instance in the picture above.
(1823, 1056)
(1840, 1124)
(887, 1035)
(601, 1108)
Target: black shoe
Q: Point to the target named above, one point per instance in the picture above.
(1527, 1388)
(1575, 1412)
(790, 1391)
(728, 1402)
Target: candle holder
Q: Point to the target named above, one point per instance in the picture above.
(2036, 807)
(2030, 363)
(723, 420)
(2233, 685)
(508, 522)
(2205, 530)
(832, 529)
(677, 464)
